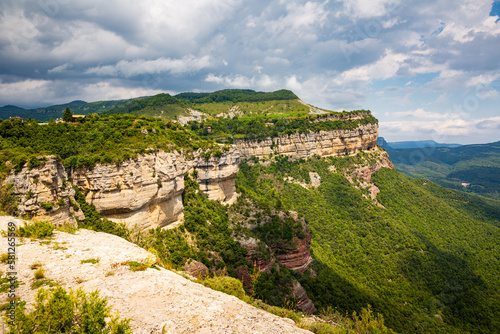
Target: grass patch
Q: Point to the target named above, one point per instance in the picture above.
(136, 266)
(93, 261)
(47, 282)
(67, 228)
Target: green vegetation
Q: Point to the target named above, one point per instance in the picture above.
(8, 200)
(205, 235)
(236, 95)
(418, 260)
(40, 273)
(68, 115)
(161, 105)
(39, 230)
(59, 311)
(274, 109)
(476, 165)
(99, 139)
(93, 220)
(226, 129)
(93, 261)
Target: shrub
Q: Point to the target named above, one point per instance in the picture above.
(41, 229)
(47, 206)
(4, 258)
(40, 273)
(8, 200)
(57, 311)
(226, 284)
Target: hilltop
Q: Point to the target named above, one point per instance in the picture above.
(229, 101)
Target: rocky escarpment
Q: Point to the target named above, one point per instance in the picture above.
(306, 145)
(146, 192)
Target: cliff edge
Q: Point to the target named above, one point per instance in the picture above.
(157, 300)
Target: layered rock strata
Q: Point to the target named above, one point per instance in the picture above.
(298, 258)
(146, 192)
(306, 145)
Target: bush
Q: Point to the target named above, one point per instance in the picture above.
(40, 273)
(57, 311)
(39, 230)
(47, 206)
(228, 285)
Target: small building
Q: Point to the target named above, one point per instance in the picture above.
(269, 124)
(77, 118)
(17, 117)
(465, 185)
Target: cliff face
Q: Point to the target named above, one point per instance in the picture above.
(305, 145)
(147, 192)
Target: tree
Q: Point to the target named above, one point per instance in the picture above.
(68, 115)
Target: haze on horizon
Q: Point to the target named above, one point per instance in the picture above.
(426, 69)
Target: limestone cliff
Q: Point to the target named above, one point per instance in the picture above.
(146, 192)
(306, 145)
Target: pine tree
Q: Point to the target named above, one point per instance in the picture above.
(68, 115)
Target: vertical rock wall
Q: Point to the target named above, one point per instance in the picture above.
(147, 192)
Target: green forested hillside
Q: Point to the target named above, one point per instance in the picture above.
(418, 260)
(44, 114)
(476, 165)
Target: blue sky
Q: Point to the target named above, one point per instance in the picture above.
(426, 69)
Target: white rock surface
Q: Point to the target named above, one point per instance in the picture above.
(156, 300)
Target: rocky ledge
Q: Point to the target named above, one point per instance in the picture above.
(157, 301)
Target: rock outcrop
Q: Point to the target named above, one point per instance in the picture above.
(145, 192)
(304, 303)
(157, 300)
(298, 258)
(306, 145)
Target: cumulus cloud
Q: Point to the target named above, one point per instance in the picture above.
(187, 64)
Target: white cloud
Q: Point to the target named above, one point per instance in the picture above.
(458, 130)
(384, 68)
(187, 64)
(421, 113)
(59, 69)
(263, 81)
(370, 8)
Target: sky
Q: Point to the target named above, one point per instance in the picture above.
(426, 69)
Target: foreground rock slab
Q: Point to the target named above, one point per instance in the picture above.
(158, 301)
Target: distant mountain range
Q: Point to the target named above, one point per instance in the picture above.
(412, 144)
(471, 168)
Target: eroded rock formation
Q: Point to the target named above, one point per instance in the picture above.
(146, 192)
(306, 145)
